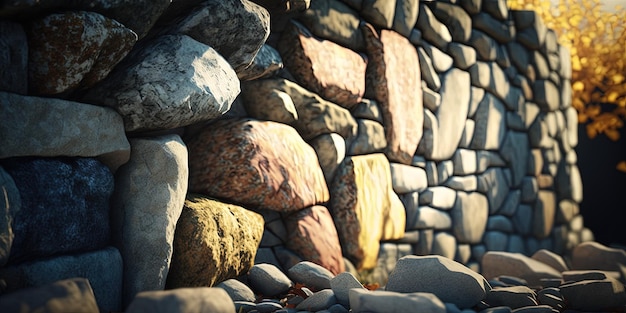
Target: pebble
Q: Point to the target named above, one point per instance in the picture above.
(417, 284)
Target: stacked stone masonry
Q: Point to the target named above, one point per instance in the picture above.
(149, 146)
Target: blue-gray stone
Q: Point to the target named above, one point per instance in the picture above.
(65, 206)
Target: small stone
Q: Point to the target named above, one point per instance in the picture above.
(496, 263)
(379, 301)
(514, 297)
(311, 275)
(268, 280)
(550, 258)
(199, 299)
(318, 301)
(237, 290)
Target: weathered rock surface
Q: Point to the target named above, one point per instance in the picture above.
(69, 295)
(13, 40)
(147, 204)
(214, 242)
(65, 206)
(313, 236)
(496, 263)
(41, 126)
(393, 80)
(264, 165)
(324, 67)
(201, 299)
(171, 82)
(336, 21)
(74, 50)
(364, 217)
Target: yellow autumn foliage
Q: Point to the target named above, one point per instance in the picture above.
(597, 43)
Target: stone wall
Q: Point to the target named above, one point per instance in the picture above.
(153, 145)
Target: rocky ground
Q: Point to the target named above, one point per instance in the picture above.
(591, 279)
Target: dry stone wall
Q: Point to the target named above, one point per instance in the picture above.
(346, 133)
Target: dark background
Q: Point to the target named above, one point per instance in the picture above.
(604, 187)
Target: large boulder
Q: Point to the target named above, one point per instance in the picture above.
(265, 165)
(69, 295)
(172, 81)
(214, 241)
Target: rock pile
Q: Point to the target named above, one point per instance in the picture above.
(152, 145)
(511, 282)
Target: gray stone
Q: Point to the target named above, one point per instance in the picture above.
(405, 16)
(437, 272)
(594, 295)
(440, 197)
(463, 56)
(477, 95)
(440, 60)
(334, 20)
(425, 244)
(510, 204)
(445, 170)
(496, 8)
(145, 208)
(494, 184)
(380, 301)
(495, 240)
(45, 129)
(531, 31)
(520, 57)
(458, 21)
(514, 297)
(313, 115)
(485, 46)
(407, 178)
(424, 217)
(331, 150)
(432, 99)
(544, 212)
(567, 210)
(539, 62)
(266, 63)
(514, 121)
(468, 134)
(367, 109)
(199, 299)
(472, 6)
(552, 259)
(14, 60)
(431, 173)
(311, 275)
(469, 217)
(489, 75)
(431, 28)
(379, 13)
(569, 182)
(369, 139)
(69, 295)
(444, 244)
(522, 219)
(486, 159)
(462, 183)
(429, 75)
(102, 268)
(499, 223)
(237, 291)
(571, 117)
(236, 29)
(490, 127)
(268, 280)
(594, 255)
(498, 30)
(341, 286)
(551, 296)
(464, 161)
(169, 83)
(463, 253)
(318, 301)
(515, 151)
(495, 263)
(450, 118)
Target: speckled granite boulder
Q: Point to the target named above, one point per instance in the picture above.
(324, 67)
(264, 165)
(393, 80)
(74, 50)
(172, 81)
(313, 236)
(65, 206)
(214, 241)
(362, 216)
